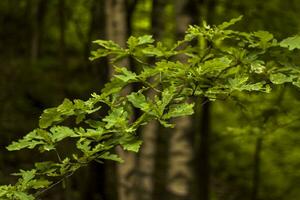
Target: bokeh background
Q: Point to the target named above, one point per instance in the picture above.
(237, 149)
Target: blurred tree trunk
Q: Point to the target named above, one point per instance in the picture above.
(102, 177)
(96, 27)
(178, 142)
(62, 27)
(97, 30)
(39, 13)
(62, 57)
(116, 30)
(203, 163)
(155, 136)
(206, 11)
(116, 25)
(142, 171)
(158, 23)
(130, 8)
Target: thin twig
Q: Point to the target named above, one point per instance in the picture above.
(53, 185)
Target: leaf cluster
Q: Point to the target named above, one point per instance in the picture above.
(211, 62)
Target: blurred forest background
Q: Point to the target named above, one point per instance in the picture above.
(227, 151)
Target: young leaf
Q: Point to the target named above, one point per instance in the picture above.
(54, 115)
(29, 141)
(225, 25)
(216, 64)
(179, 110)
(280, 78)
(291, 42)
(22, 196)
(138, 100)
(117, 118)
(110, 156)
(50, 116)
(61, 132)
(131, 143)
(124, 74)
(134, 42)
(297, 83)
(265, 39)
(263, 35)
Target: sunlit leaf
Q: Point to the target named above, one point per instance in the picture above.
(291, 42)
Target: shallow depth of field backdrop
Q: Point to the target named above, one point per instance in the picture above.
(247, 153)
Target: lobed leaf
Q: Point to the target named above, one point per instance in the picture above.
(291, 42)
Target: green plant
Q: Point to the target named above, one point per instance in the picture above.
(211, 62)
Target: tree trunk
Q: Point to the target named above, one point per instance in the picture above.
(116, 25)
(116, 30)
(204, 153)
(130, 7)
(146, 165)
(37, 29)
(205, 11)
(180, 147)
(158, 23)
(97, 30)
(62, 27)
(158, 137)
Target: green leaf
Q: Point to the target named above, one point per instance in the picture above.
(107, 44)
(23, 196)
(40, 183)
(167, 95)
(89, 149)
(237, 82)
(133, 42)
(110, 156)
(225, 25)
(265, 39)
(54, 115)
(191, 33)
(146, 39)
(254, 87)
(84, 107)
(108, 47)
(166, 124)
(138, 100)
(66, 107)
(131, 143)
(84, 145)
(280, 78)
(22, 144)
(29, 141)
(79, 108)
(216, 64)
(291, 42)
(297, 83)
(258, 66)
(46, 140)
(4, 190)
(153, 51)
(26, 175)
(179, 110)
(117, 118)
(264, 36)
(124, 74)
(148, 72)
(47, 167)
(61, 132)
(112, 87)
(49, 116)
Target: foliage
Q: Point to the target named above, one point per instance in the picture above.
(211, 62)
